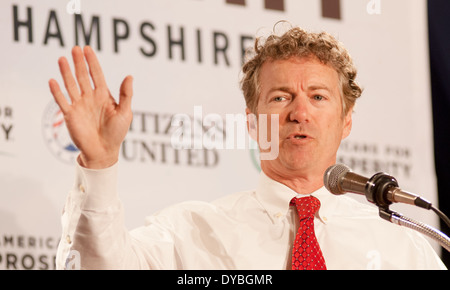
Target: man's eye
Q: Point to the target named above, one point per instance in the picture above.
(279, 99)
(318, 97)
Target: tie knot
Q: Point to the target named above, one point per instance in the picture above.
(306, 206)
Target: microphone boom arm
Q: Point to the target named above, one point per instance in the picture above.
(398, 219)
(382, 190)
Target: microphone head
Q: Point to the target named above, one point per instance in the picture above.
(332, 177)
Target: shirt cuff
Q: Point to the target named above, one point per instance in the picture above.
(96, 187)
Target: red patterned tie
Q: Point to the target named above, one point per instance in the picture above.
(306, 253)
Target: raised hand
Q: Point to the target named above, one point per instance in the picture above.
(96, 123)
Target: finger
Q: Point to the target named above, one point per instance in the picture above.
(69, 80)
(126, 94)
(81, 72)
(59, 97)
(94, 68)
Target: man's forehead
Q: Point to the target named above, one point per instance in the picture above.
(282, 72)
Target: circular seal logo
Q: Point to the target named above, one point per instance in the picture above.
(56, 135)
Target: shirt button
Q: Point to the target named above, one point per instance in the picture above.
(82, 189)
(278, 215)
(68, 240)
(325, 219)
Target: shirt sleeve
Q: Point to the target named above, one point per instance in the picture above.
(94, 235)
(428, 259)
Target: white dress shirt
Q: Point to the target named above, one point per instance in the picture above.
(244, 231)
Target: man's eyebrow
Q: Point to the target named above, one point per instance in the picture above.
(282, 89)
(313, 87)
(318, 87)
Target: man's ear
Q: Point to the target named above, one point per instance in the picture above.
(252, 124)
(348, 123)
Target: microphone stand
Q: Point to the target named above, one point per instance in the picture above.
(398, 219)
(380, 190)
(376, 189)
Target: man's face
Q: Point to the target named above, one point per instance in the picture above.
(305, 95)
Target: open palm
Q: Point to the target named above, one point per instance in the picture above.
(96, 123)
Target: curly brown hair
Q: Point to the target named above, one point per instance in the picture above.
(299, 43)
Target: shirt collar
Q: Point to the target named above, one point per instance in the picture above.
(275, 198)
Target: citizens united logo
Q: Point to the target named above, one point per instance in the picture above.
(56, 135)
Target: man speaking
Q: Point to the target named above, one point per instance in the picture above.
(290, 221)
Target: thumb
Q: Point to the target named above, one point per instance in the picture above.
(126, 93)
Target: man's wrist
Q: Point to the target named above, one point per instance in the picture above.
(101, 163)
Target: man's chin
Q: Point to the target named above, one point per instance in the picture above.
(291, 166)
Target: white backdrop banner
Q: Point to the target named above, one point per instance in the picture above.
(185, 56)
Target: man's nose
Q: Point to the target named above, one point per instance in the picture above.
(299, 109)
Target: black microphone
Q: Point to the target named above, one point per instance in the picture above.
(381, 189)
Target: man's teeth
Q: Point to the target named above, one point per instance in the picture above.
(300, 137)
